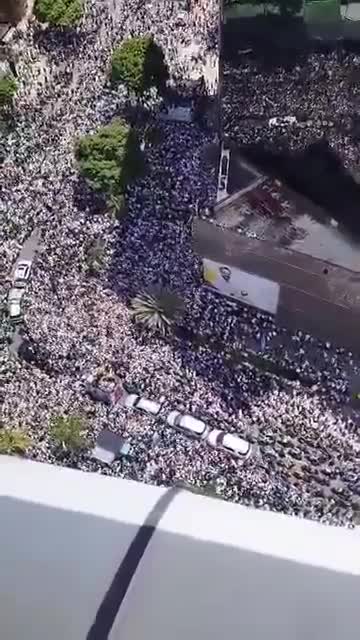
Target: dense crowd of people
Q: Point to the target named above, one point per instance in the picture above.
(307, 448)
(320, 91)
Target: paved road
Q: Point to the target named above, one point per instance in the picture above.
(28, 252)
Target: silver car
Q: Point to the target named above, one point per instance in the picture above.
(231, 443)
(134, 401)
(187, 424)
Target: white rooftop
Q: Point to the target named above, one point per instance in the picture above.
(211, 570)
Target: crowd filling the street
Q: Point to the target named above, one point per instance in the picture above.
(304, 438)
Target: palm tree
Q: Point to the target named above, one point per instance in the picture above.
(13, 441)
(157, 309)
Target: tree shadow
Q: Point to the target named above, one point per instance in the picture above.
(51, 39)
(273, 40)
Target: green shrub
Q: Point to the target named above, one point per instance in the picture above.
(59, 13)
(139, 64)
(110, 159)
(68, 432)
(13, 441)
(95, 255)
(8, 89)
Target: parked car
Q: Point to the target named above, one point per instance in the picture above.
(282, 121)
(14, 304)
(134, 401)
(230, 443)
(22, 273)
(187, 424)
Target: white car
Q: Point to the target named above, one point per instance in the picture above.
(187, 424)
(22, 273)
(279, 122)
(230, 443)
(134, 401)
(14, 306)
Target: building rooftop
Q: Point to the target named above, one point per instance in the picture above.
(264, 229)
(264, 208)
(72, 567)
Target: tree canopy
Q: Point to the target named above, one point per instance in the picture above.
(59, 13)
(110, 159)
(139, 64)
(68, 432)
(8, 89)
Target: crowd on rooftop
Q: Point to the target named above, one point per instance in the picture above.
(308, 455)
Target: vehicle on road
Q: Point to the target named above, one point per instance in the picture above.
(187, 424)
(279, 121)
(134, 401)
(14, 304)
(230, 443)
(22, 273)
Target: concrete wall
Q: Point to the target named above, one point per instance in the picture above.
(212, 569)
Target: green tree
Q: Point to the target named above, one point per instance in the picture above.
(13, 441)
(110, 159)
(139, 64)
(59, 13)
(8, 89)
(157, 309)
(95, 255)
(68, 432)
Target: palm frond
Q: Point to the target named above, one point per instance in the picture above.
(157, 309)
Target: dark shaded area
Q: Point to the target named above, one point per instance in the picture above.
(118, 589)
(271, 36)
(239, 176)
(317, 173)
(69, 39)
(234, 356)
